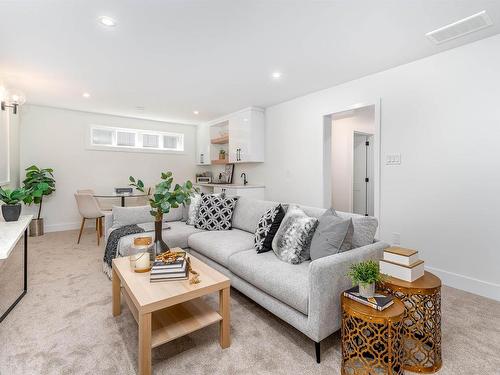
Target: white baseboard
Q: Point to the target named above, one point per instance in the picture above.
(469, 284)
(64, 226)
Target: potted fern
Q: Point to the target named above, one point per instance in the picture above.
(11, 209)
(162, 200)
(366, 275)
(40, 183)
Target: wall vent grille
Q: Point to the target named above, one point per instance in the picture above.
(460, 28)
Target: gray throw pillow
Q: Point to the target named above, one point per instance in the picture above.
(293, 239)
(131, 215)
(193, 209)
(333, 235)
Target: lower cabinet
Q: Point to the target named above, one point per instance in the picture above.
(248, 192)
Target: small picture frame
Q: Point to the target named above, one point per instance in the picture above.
(228, 172)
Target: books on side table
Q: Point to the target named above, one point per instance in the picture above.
(176, 270)
(378, 301)
(402, 264)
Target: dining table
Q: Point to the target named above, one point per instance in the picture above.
(122, 196)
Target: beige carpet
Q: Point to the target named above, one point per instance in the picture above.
(64, 326)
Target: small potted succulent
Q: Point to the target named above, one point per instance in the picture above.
(366, 275)
(11, 210)
(222, 154)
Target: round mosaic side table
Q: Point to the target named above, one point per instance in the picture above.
(422, 321)
(371, 339)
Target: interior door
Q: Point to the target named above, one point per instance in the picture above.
(360, 174)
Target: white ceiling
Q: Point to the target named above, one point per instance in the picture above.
(215, 56)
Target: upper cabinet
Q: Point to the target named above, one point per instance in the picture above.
(235, 138)
(203, 145)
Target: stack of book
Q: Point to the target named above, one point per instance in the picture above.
(169, 271)
(378, 301)
(402, 264)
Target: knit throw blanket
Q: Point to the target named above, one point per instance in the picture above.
(112, 245)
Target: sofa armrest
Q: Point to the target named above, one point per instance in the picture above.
(108, 223)
(327, 280)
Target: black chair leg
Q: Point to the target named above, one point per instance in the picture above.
(317, 346)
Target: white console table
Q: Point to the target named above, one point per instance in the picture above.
(10, 233)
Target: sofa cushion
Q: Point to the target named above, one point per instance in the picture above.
(220, 245)
(248, 212)
(131, 215)
(333, 235)
(284, 281)
(216, 212)
(293, 240)
(176, 236)
(365, 227)
(268, 225)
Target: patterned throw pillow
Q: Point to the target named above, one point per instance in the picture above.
(215, 212)
(193, 209)
(267, 227)
(293, 240)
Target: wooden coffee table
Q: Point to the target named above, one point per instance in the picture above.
(167, 310)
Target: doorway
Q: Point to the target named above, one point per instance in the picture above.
(362, 172)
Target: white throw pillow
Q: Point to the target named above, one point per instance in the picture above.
(131, 215)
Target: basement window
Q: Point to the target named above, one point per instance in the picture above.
(122, 139)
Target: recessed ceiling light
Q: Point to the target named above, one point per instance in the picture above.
(107, 21)
(276, 75)
(196, 112)
(86, 95)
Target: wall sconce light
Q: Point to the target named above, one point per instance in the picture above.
(12, 100)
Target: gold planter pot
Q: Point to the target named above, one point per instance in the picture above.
(36, 228)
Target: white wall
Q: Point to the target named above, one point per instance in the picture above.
(55, 138)
(442, 114)
(343, 129)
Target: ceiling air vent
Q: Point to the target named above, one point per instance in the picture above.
(460, 28)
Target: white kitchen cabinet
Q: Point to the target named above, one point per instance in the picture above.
(246, 136)
(203, 145)
(249, 191)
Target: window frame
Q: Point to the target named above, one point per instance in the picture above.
(138, 147)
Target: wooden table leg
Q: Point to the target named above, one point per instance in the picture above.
(224, 324)
(145, 344)
(117, 303)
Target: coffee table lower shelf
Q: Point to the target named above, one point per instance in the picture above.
(178, 320)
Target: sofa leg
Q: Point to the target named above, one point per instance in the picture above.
(317, 346)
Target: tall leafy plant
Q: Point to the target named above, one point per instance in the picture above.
(164, 197)
(39, 183)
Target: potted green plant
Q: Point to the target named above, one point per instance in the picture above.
(11, 210)
(366, 275)
(162, 200)
(40, 183)
(222, 154)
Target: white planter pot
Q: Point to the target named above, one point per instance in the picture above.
(367, 291)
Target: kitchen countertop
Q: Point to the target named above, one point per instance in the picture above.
(11, 232)
(232, 186)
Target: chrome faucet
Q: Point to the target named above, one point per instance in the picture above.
(244, 176)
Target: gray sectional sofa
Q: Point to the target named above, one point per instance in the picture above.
(307, 295)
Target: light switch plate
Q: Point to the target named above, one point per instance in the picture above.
(393, 159)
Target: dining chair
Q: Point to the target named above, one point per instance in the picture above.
(104, 204)
(89, 209)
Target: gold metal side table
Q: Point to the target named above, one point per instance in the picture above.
(422, 321)
(371, 339)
